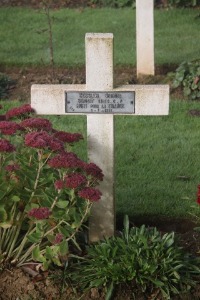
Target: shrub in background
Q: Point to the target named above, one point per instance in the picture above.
(160, 3)
(5, 83)
(114, 3)
(187, 76)
(142, 258)
(46, 190)
(183, 3)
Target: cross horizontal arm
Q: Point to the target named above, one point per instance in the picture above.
(149, 99)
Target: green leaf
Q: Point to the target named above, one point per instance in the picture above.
(187, 91)
(157, 282)
(3, 214)
(57, 261)
(59, 214)
(109, 291)
(180, 76)
(194, 86)
(46, 265)
(197, 229)
(35, 237)
(66, 232)
(97, 282)
(176, 275)
(176, 83)
(126, 227)
(49, 252)
(51, 238)
(63, 248)
(37, 255)
(15, 198)
(62, 204)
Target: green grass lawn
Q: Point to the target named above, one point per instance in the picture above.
(151, 156)
(23, 39)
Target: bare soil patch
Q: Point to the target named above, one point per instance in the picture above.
(23, 77)
(54, 4)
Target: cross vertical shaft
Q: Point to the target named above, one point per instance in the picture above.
(100, 131)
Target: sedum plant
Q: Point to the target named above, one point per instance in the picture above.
(46, 191)
(140, 257)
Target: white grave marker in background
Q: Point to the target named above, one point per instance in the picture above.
(145, 37)
(101, 103)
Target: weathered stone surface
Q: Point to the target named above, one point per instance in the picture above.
(145, 37)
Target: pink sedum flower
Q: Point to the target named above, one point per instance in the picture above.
(75, 180)
(67, 137)
(6, 146)
(65, 160)
(59, 184)
(42, 140)
(36, 123)
(55, 145)
(9, 128)
(93, 170)
(40, 213)
(198, 194)
(37, 139)
(91, 194)
(23, 110)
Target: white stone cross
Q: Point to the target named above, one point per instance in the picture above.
(145, 37)
(99, 94)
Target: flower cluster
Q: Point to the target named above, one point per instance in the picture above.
(42, 140)
(39, 213)
(91, 194)
(6, 146)
(65, 160)
(72, 181)
(198, 194)
(23, 110)
(59, 184)
(9, 128)
(94, 171)
(36, 123)
(75, 180)
(67, 137)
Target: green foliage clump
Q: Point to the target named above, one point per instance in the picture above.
(184, 3)
(141, 257)
(5, 82)
(114, 3)
(187, 76)
(132, 3)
